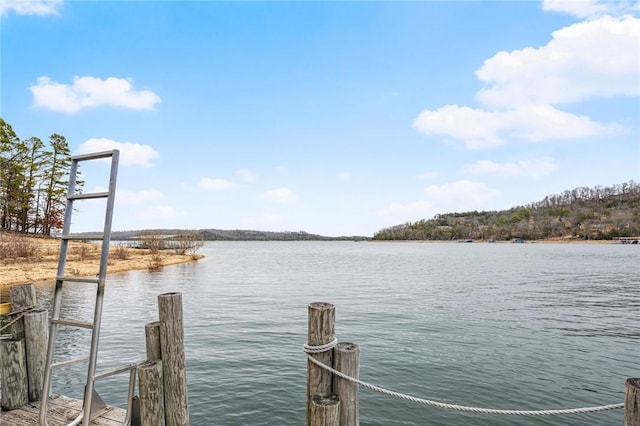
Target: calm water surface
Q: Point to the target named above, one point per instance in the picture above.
(513, 326)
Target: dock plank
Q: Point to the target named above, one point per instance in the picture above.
(61, 410)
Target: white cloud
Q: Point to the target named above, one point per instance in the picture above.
(86, 92)
(280, 195)
(591, 59)
(132, 154)
(479, 128)
(460, 195)
(537, 168)
(215, 184)
(597, 58)
(128, 196)
(590, 8)
(455, 196)
(407, 212)
(246, 176)
(30, 7)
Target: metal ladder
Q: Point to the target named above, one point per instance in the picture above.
(93, 404)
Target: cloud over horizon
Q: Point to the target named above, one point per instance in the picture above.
(462, 195)
(537, 168)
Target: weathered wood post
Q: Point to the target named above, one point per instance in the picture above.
(13, 371)
(325, 410)
(36, 333)
(173, 363)
(346, 359)
(322, 319)
(152, 339)
(632, 402)
(22, 297)
(151, 393)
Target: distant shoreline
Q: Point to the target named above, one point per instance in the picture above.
(548, 241)
(83, 260)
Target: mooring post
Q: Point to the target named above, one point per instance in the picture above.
(346, 359)
(173, 362)
(36, 332)
(322, 318)
(152, 339)
(22, 297)
(325, 410)
(151, 393)
(632, 402)
(13, 372)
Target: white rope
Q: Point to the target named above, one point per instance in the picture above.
(454, 406)
(321, 348)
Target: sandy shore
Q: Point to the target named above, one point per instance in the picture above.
(83, 260)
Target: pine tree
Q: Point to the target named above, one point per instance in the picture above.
(13, 154)
(33, 175)
(56, 178)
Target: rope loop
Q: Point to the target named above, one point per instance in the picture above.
(321, 348)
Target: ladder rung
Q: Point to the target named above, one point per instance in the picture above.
(72, 361)
(83, 237)
(88, 196)
(113, 371)
(79, 279)
(72, 323)
(92, 156)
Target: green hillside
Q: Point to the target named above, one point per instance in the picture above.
(581, 213)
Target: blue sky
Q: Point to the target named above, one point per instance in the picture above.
(337, 118)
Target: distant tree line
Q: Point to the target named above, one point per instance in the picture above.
(34, 176)
(583, 213)
(233, 235)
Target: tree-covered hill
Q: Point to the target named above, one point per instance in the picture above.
(582, 213)
(232, 235)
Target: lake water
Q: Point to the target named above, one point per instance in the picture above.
(513, 326)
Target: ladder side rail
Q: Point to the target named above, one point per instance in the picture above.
(108, 221)
(68, 212)
(97, 315)
(57, 297)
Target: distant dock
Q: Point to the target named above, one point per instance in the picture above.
(628, 240)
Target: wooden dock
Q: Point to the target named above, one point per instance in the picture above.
(61, 411)
(161, 377)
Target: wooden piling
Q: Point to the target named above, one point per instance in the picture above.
(152, 339)
(632, 402)
(13, 372)
(322, 318)
(346, 359)
(22, 297)
(36, 333)
(325, 410)
(173, 363)
(151, 393)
